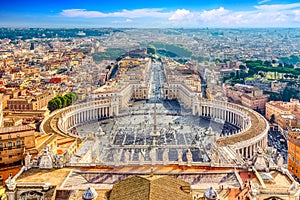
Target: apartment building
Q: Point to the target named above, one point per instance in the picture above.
(284, 113)
(294, 150)
(13, 140)
(248, 96)
(33, 101)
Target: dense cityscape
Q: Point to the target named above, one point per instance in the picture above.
(105, 113)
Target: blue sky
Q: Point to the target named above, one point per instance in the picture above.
(149, 14)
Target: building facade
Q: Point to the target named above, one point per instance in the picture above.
(294, 150)
(284, 114)
(248, 96)
(35, 101)
(13, 140)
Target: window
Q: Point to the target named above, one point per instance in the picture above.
(9, 145)
(1, 146)
(10, 156)
(18, 144)
(18, 135)
(9, 136)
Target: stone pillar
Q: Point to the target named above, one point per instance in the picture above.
(199, 110)
(11, 195)
(111, 111)
(194, 109)
(68, 124)
(72, 120)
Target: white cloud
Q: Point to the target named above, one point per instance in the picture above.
(263, 1)
(82, 13)
(180, 14)
(137, 13)
(276, 15)
(213, 14)
(296, 14)
(276, 7)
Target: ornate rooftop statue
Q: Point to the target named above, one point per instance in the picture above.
(46, 161)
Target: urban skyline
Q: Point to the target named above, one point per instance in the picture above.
(157, 14)
(159, 100)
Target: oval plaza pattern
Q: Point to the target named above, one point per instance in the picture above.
(252, 131)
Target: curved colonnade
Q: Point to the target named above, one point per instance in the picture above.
(253, 131)
(252, 134)
(63, 120)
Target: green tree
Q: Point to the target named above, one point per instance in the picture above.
(70, 98)
(289, 93)
(242, 67)
(54, 104)
(62, 101)
(232, 74)
(151, 49)
(267, 63)
(58, 101)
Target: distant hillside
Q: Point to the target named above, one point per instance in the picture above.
(29, 33)
(108, 54)
(172, 50)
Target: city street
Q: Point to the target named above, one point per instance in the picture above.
(276, 140)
